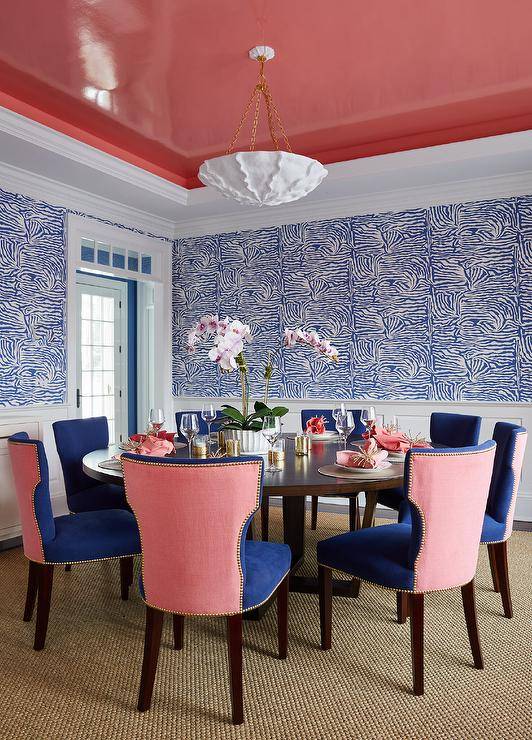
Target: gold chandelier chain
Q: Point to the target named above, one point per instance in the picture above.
(262, 90)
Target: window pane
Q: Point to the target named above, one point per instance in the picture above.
(85, 358)
(86, 384)
(104, 254)
(97, 358)
(112, 438)
(86, 407)
(96, 307)
(108, 338)
(97, 406)
(145, 264)
(96, 332)
(119, 258)
(85, 306)
(97, 383)
(108, 383)
(133, 261)
(87, 250)
(108, 358)
(108, 309)
(85, 332)
(109, 407)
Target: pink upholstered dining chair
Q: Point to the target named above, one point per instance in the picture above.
(193, 517)
(446, 490)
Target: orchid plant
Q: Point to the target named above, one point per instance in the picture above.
(230, 337)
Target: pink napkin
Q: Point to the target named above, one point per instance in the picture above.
(155, 447)
(369, 456)
(396, 441)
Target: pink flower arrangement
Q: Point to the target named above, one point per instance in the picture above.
(293, 337)
(229, 337)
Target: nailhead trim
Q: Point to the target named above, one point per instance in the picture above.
(255, 509)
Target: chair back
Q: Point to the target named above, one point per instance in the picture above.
(447, 490)
(30, 473)
(307, 414)
(203, 426)
(193, 517)
(454, 430)
(511, 442)
(75, 438)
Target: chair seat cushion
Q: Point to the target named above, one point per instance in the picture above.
(266, 564)
(392, 498)
(492, 530)
(376, 554)
(96, 498)
(93, 535)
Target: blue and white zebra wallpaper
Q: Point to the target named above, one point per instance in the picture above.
(431, 304)
(33, 363)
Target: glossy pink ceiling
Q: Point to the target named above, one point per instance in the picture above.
(163, 83)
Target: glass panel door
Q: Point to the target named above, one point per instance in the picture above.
(101, 355)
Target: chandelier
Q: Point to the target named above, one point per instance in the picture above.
(262, 178)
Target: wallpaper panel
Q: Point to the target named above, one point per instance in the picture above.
(431, 304)
(32, 302)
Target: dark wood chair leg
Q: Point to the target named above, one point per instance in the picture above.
(503, 578)
(126, 576)
(152, 642)
(470, 611)
(179, 630)
(68, 568)
(31, 593)
(325, 595)
(354, 514)
(264, 518)
(415, 608)
(402, 607)
(369, 509)
(313, 512)
(234, 649)
(46, 579)
(282, 617)
(493, 567)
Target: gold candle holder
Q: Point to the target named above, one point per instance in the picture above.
(302, 444)
(277, 454)
(232, 447)
(200, 446)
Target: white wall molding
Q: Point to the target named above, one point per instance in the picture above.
(47, 138)
(397, 200)
(413, 416)
(56, 193)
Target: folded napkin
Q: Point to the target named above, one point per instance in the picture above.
(369, 456)
(154, 446)
(396, 441)
(316, 425)
(160, 435)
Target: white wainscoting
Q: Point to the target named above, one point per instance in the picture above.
(38, 424)
(414, 416)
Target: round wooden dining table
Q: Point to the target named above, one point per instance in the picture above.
(297, 478)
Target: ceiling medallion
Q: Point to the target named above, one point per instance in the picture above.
(262, 178)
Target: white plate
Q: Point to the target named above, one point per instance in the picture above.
(399, 456)
(351, 468)
(326, 435)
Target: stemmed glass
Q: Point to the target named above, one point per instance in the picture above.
(345, 424)
(189, 427)
(368, 418)
(156, 419)
(271, 429)
(338, 411)
(208, 414)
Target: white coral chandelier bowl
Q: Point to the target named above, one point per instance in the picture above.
(262, 178)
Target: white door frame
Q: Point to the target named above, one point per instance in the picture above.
(160, 250)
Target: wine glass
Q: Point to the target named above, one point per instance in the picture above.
(189, 427)
(156, 419)
(393, 424)
(271, 429)
(368, 417)
(345, 424)
(338, 411)
(208, 414)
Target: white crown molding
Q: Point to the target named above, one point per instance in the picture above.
(56, 193)
(36, 133)
(499, 186)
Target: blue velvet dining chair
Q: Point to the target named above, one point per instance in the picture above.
(74, 538)
(446, 491)
(306, 414)
(498, 519)
(190, 569)
(446, 430)
(203, 426)
(74, 439)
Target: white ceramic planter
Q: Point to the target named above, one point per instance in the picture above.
(251, 443)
